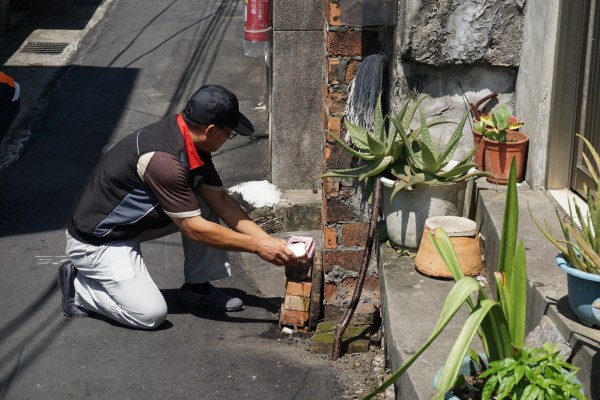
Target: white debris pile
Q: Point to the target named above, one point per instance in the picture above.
(258, 193)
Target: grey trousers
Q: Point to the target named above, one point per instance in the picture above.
(113, 280)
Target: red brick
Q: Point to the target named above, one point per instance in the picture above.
(329, 293)
(298, 288)
(371, 291)
(336, 157)
(334, 125)
(352, 43)
(334, 14)
(351, 70)
(329, 238)
(335, 210)
(293, 318)
(296, 303)
(336, 102)
(331, 187)
(346, 259)
(333, 71)
(366, 314)
(355, 234)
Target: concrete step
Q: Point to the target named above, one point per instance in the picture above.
(412, 302)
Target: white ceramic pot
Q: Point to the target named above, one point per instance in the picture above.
(406, 213)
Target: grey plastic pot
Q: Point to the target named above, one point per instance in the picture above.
(406, 213)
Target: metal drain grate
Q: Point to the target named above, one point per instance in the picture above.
(44, 48)
(270, 226)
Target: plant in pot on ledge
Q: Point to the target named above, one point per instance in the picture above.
(507, 369)
(580, 249)
(502, 143)
(420, 178)
(477, 111)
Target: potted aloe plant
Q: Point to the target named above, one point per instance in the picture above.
(500, 324)
(420, 179)
(580, 247)
(502, 143)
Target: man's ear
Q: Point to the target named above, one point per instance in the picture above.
(210, 129)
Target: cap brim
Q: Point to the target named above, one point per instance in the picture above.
(244, 126)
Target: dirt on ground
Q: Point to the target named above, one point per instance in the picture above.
(359, 373)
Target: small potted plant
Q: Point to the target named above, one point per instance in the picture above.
(415, 172)
(502, 143)
(580, 248)
(477, 111)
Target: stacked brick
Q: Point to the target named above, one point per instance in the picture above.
(296, 304)
(344, 215)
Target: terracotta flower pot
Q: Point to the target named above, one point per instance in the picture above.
(465, 240)
(498, 157)
(478, 158)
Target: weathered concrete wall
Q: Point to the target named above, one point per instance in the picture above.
(442, 32)
(534, 83)
(450, 49)
(297, 100)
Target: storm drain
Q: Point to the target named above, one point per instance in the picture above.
(44, 48)
(271, 225)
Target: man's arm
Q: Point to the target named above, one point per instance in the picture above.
(269, 249)
(230, 212)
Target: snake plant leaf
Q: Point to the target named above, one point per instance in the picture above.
(376, 147)
(457, 171)
(363, 171)
(358, 135)
(592, 168)
(425, 135)
(452, 144)
(510, 224)
(430, 162)
(547, 232)
(513, 297)
(377, 167)
(461, 346)
(358, 154)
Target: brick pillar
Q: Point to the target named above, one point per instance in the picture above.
(344, 221)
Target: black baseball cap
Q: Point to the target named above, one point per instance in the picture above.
(214, 104)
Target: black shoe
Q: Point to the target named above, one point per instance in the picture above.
(66, 278)
(214, 300)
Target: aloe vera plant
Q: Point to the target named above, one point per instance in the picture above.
(406, 154)
(496, 124)
(581, 246)
(499, 322)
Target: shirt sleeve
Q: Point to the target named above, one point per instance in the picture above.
(210, 176)
(168, 180)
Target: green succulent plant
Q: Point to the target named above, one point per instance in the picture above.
(404, 154)
(496, 124)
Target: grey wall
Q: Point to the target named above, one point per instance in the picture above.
(534, 84)
(297, 99)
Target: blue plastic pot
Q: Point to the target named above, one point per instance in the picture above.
(583, 293)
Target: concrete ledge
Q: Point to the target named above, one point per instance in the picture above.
(411, 301)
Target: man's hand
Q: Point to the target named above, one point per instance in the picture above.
(275, 251)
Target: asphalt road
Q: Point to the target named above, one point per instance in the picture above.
(138, 63)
